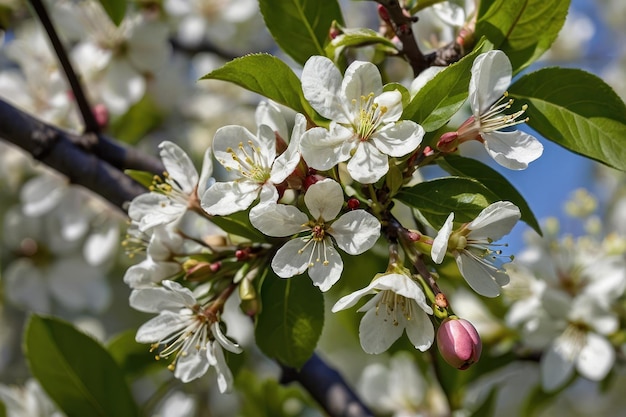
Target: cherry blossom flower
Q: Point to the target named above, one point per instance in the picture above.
(254, 162)
(313, 249)
(187, 331)
(365, 126)
(399, 305)
(171, 198)
(513, 149)
(470, 246)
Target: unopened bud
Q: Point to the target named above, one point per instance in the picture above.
(101, 114)
(448, 142)
(312, 179)
(334, 31)
(383, 13)
(242, 254)
(459, 343)
(353, 203)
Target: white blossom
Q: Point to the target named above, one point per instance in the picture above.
(365, 123)
(186, 330)
(399, 305)
(471, 244)
(313, 249)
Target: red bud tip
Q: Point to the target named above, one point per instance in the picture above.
(383, 13)
(242, 254)
(353, 203)
(101, 114)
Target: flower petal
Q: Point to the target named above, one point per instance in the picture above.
(491, 76)
(179, 166)
(278, 219)
(324, 199)
(377, 330)
(159, 327)
(440, 243)
(191, 365)
(419, 329)
(596, 358)
(327, 265)
(494, 221)
(356, 231)
(360, 80)
(289, 261)
(479, 275)
(368, 164)
(321, 83)
(225, 198)
(513, 150)
(323, 149)
(398, 139)
(556, 367)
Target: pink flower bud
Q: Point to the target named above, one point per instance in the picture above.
(459, 343)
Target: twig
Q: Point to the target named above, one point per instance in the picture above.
(91, 125)
(402, 27)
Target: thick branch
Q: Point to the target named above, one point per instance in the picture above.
(328, 388)
(57, 149)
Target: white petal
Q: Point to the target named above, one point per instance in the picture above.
(123, 86)
(224, 375)
(321, 84)
(491, 76)
(79, 286)
(556, 368)
(596, 358)
(151, 210)
(225, 198)
(513, 150)
(191, 366)
(289, 261)
(278, 219)
(377, 330)
(206, 180)
(403, 285)
(494, 221)
(356, 231)
(179, 166)
(327, 265)
(323, 149)
(228, 139)
(392, 101)
(148, 272)
(353, 298)
(480, 276)
(361, 79)
(423, 78)
(368, 164)
(398, 139)
(41, 194)
(440, 243)
(25, 285)
(223, 340)
(159, 327)
(102, 244)
(270, 115)
(419, 329)
(324, 199)
(285, 164)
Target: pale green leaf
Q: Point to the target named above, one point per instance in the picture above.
(116, 9)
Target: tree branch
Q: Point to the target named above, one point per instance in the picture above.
(402, 27)
(58, 149)
(328, 388)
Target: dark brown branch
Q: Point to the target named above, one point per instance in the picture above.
(328, 388)
(402, 27)
(91, 125)
(57, 149)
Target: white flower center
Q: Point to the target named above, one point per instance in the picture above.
(250, 161)
(493, 119)
(368, 116)
(317, 238)
(169, 187)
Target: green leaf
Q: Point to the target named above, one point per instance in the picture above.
(116, 9)
(434, 105)
(576, 110)
(239, 224)
(142, 117)
(436, 199)
(142, 177)
(493, 180)
(76, 371)
(358, 37)
(266, 75)
(3, 410)
(523, 29)
(132, 357)
(300, 27)
(291, 318)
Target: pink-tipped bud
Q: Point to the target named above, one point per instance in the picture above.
(101, 114)
(448, 142)
(312, 179)
(383, 13)
(459, 343)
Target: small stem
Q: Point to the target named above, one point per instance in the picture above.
(91, 125)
